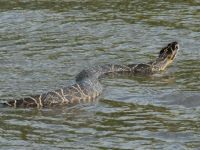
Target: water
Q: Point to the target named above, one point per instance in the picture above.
(44, 44)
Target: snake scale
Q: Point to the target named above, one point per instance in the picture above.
(88, 87)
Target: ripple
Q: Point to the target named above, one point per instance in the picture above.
(45, 44)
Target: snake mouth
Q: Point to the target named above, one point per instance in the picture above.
(175, 50)
(174, 55)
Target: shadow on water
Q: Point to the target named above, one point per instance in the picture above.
(188, 100)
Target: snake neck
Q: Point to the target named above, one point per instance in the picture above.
(98, 72)
(159, 64)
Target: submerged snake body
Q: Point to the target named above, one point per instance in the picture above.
(87, 87)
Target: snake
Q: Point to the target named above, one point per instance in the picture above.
(88, 87)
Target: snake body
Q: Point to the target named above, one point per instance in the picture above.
(88, 87)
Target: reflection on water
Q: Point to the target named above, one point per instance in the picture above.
(44, 44)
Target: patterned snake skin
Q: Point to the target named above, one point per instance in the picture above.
(87, 87)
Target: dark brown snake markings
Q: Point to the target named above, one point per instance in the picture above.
(87, 87)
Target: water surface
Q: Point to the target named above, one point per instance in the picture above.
(44, 44)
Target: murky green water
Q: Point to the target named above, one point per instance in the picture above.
(44, 44)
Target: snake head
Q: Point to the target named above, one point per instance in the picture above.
(167, 55)
(169, 51)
